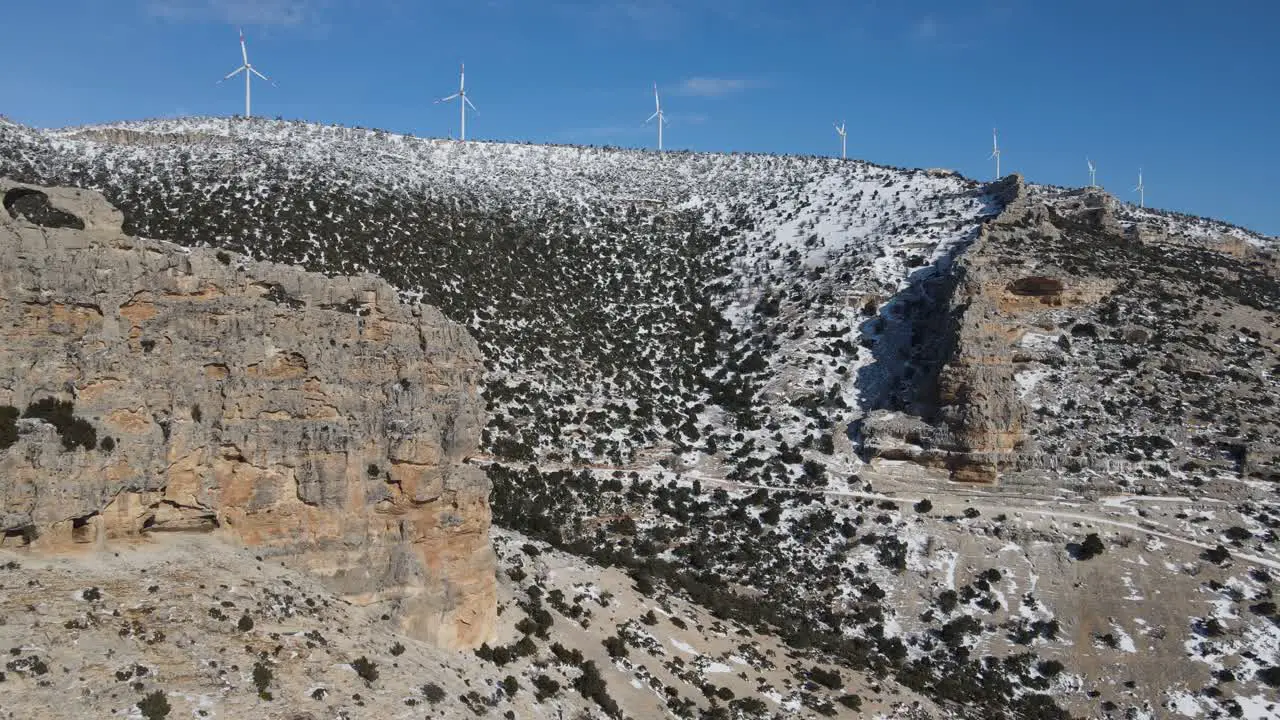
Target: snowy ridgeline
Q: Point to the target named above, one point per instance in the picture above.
(1191, 227)
(706, 305)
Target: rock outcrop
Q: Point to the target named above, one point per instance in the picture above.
(318, 420)
(1082, 342)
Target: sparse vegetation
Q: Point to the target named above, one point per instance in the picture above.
(155, 706)
(366, 669)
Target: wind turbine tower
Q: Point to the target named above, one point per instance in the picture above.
(844, 138)
(249, 71)
(1141, 190)
(995, 150)
(662, 119)
(463, 101)
(1093, 174)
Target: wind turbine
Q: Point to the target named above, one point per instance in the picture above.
(844, 137)
(1141, 190)
(1093, 174)
(248, 71)
(662, 119)
(995, 150)
(463, 100)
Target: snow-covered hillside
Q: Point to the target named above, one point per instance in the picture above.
(678, 346)
(672, 304)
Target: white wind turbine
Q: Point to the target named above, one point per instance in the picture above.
(1093, 174)
(995, 150)
(662, 119)
(1141, 190)
(844, 137)
(463, 100)
(248, 71)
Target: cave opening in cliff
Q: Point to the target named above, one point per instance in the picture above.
(21, 536)
(35, 207)
(1037, 286)
(82, 528)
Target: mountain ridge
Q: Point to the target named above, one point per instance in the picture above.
(746, 392)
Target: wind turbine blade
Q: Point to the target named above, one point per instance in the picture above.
(243, 51)
(651, 117)
(471, 105)
(264, 77)
(234, 73)
(448, 98)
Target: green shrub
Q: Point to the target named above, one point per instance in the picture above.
(74, 431)
(154, 706)
(1091, 547)
(366, 669)
(545, 687)
(853, 702)
(510, 685)
(433, 693)
(616, 646)
(262, 677)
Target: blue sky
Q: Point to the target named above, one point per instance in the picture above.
(1188, 90)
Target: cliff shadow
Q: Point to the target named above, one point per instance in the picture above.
(913, 335)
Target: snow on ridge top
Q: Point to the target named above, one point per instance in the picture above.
(1193, 227)
(524, 171)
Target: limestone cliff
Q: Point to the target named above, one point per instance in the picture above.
(1081, 340)
(319, 420)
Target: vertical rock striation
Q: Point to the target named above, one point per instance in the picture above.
(317, 419)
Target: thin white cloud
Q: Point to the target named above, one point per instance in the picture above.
(714, 87)
(239, 12)
(926, 28)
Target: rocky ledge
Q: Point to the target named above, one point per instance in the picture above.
(1073, 339)
(146, 387)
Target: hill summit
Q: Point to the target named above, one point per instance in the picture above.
(953, 437)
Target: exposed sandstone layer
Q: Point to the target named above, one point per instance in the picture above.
(1081, 341)
(996, 304)
(316, 419)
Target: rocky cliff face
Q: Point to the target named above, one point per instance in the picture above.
(316, 419)
(1088, 342)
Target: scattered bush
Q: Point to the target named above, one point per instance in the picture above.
(923, 507)
(616, 646)
(1217, 555)
(433, 693)
(74, 431)
(365, 668)
(592, 686)
(853, 702)
(262, 677)
(545, 687)
(510, 686)
(154, 706)
(397, 650)
(828, 678)
(1091, 547)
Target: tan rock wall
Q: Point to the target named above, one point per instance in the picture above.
(243, 400)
